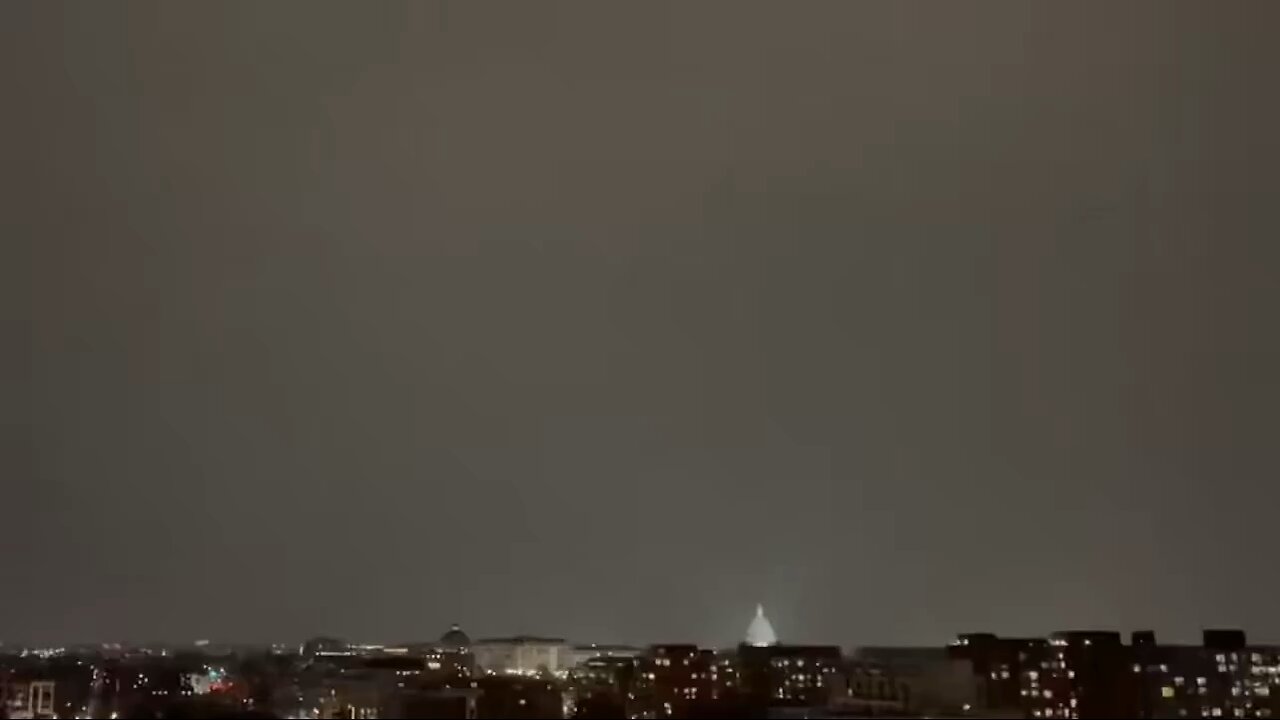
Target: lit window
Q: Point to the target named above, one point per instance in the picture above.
(1166, 692)
(1201, 681)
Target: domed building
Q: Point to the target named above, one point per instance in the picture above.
(455, 640)
(760, 631)
(321, 646)
(450, 661)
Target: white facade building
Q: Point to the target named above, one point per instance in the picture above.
(760, 631)
(523, 655)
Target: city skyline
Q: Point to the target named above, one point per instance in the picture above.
(752, 633)
(1062, 674)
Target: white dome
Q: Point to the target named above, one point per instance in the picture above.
(760, 631)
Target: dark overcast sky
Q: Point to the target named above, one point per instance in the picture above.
(611, 320)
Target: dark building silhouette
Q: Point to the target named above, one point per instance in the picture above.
(1095, 675)
(603, 687)
(1000, 665)
(667, 681)
(503, 696)
(788, 675)
(920, 681)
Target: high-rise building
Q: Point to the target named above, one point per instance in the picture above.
(1087, 674)
(667, 683)
(1221, 677)
(1083, 676)
(1000, 665)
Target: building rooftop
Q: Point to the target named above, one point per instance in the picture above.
(521, 640)
(455, 639)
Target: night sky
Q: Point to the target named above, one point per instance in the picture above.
(609, 321)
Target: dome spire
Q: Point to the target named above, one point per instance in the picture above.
(760, 631)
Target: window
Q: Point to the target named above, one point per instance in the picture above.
(1166, 692)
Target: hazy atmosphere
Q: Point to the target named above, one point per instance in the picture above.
(608, 321)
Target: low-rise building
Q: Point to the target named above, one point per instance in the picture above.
(523, 655)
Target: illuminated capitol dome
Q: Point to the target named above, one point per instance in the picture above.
(760, 631)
